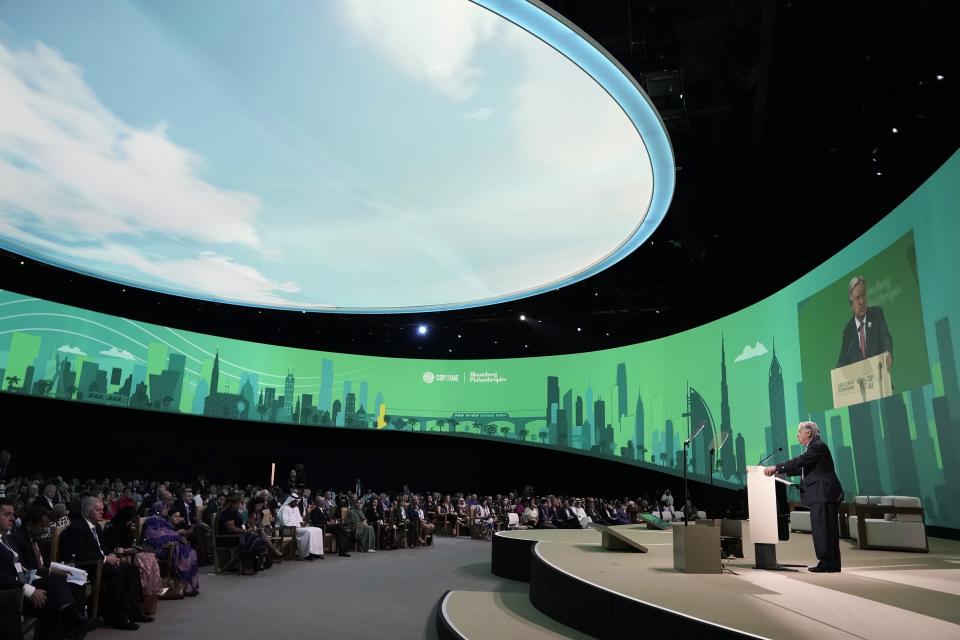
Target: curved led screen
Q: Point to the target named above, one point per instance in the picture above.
(738, 385)
(363, 156)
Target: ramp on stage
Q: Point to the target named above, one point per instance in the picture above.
(577, 587)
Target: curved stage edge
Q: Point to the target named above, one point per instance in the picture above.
(578, 589)
(565, 597)
(512, 551)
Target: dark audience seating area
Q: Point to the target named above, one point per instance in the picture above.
(166, 530)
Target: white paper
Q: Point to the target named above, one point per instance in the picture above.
(74, 575)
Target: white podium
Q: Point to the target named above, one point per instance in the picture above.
(762, 504)
(868, 379)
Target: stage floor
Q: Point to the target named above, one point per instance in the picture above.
(879, 594)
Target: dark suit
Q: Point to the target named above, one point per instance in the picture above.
(877, 336)
(321, 519)
(121, 581)
(59, 615)
(545, 517)
(821, 492)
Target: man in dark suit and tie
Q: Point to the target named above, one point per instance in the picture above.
(61, 614)
(865, 334)
(82, 542)
(46, 598)
(321, 518)
(820, 491)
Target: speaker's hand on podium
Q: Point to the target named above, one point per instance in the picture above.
(769, 471)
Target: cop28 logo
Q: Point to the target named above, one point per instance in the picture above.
(428, 377)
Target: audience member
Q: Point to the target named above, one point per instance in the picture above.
(159, 531)
(82, 543)
(363, 532)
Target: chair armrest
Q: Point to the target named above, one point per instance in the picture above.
(878, 510)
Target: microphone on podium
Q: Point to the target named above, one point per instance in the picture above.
(764, 459)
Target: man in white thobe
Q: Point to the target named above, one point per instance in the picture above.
(309, 539)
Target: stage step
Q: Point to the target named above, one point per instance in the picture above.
(494, 615)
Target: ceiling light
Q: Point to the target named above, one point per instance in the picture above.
(939, 77)
(522, 317)
(422, 329)
(894, 130)
(578, 328)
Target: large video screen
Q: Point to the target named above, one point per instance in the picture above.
(739, 384)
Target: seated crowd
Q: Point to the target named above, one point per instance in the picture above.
(148, 539)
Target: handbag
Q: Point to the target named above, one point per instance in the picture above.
(173, 590)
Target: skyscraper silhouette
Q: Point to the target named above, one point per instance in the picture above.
(553, 405)
(842, 456)
(864, 449)
(778, 411)
(325, 397)
(728, 465)
(564, 433)
(896, 429)
(639, 437)
(289, 395)
(621, 391)
(177, 362)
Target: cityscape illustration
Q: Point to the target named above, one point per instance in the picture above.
(888, 446)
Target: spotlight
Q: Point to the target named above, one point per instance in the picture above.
(939, 77)
(422, 330)
(522, 317)
(879, 174)
(894, 130)
(578, 328)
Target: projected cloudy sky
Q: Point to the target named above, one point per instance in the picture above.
(356, 155)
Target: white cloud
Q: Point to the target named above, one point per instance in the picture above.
(69, 165)
(80, 184)
(433, 42)
(483, 113)
(114, 352)
(751, 352)
(76, 351)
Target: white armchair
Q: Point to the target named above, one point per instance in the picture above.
(893, 523)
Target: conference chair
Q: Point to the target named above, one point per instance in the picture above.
(92, 587)
(232, 552)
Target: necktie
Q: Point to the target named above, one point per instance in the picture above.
(36, 551)
(863, 340)
(96, 535)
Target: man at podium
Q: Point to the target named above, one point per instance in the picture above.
(820, 491)
(865, 334)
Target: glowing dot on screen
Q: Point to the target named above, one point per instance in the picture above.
(939, 77)
(578, 328)
(459, 336)
(879, 174)
(422, 329)
(894, 130)
(522, 317)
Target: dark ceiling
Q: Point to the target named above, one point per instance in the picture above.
(782, 117)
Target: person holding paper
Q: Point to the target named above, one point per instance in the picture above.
(866, 334)
(820, 491)
(23, 564)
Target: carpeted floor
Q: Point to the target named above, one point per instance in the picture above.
(388, 594)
